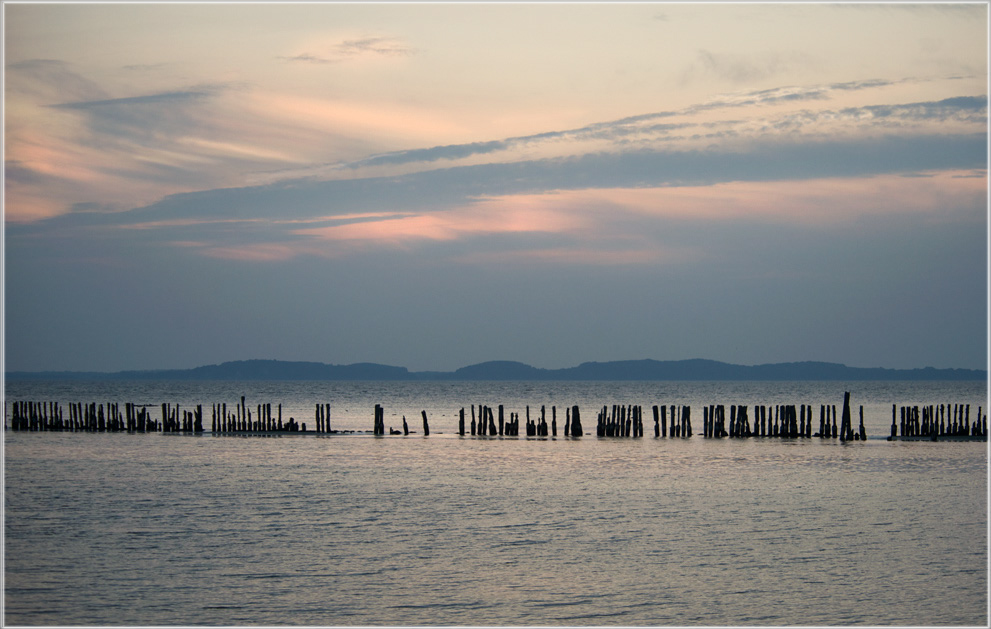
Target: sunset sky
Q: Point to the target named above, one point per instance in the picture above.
(436, 185)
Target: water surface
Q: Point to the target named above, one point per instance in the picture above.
(156, 529)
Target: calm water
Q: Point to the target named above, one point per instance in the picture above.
(156, 529)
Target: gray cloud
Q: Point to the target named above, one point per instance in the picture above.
(965, 108)
(449, 188)
(453, 151)
(637, 124)
(16, 172)
(860, 85)
(162, 98)
(44, 80)
(150, 120)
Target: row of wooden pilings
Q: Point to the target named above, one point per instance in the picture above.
(240, 420)
(627, 421)
(788, 421)
(93, 417)
(944, 420)
(484, 424)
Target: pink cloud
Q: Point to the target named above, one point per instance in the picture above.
(259, 252)
(516, 214)
(621, 225)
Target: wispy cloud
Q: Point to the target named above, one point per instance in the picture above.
(583, 226)
(351, 49)
(49, 80)
(969, 109)
(618, 205)
(163, 98)
(651, 125)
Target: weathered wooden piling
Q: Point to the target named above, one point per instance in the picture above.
(379, 425)
(576, 422)
(846, 433)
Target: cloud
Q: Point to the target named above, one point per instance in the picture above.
(970, 109)
(163, 98)
(650, 125)
(146, 118)
(48, 80)
(351, 49)
(388, 46)
(588, 226)
(757, 161)
(305, 57)
(859, 85)
(451, 152)
(616, 204)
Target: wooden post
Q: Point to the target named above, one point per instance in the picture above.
(554, 421)
(576, 422)
(845, 421)
(461, 422)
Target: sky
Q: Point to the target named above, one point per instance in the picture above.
(437, 185)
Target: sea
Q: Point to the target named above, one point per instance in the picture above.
(352, 529)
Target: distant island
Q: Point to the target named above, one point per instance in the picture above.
(659, 370)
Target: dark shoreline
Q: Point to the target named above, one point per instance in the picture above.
(627, 370)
